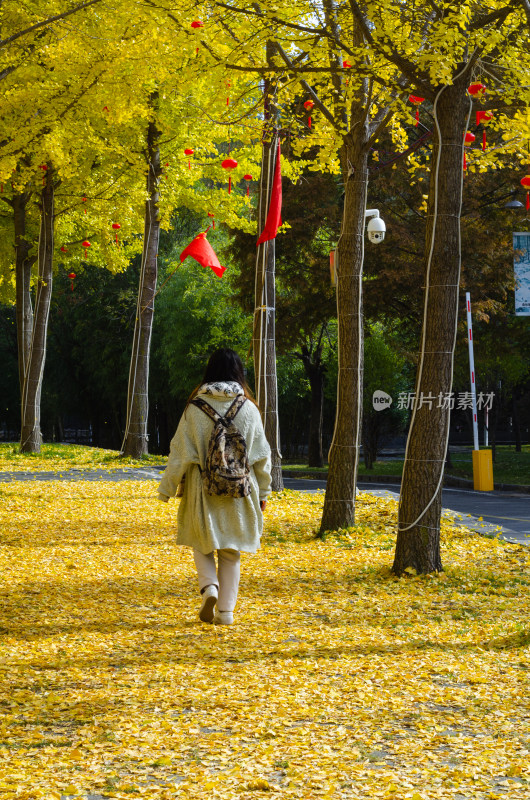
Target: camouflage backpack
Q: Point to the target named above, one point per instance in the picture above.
(226, 471)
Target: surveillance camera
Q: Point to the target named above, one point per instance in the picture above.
(376, 230)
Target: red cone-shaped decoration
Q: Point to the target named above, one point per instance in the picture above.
(477, 90)
(417, 101)
(308, 105)
(468, 139)
(196, 24)
(229, 164)
(201, 250)
(525, 183)
(484, 117)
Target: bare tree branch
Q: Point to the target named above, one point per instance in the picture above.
(46, 22)
(437, 10)
(499, 14)
(379, 128)
(316, 99)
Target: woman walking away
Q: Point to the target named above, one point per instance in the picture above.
(220, 465)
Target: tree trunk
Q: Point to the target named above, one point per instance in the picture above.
(371, 427)
(135, 442)
(31, 437)
(339, 503)
(23, 262)
(315, 454)
(264, 335)
(314, 369)
(418, 541)
(494, 421)
(264, 343)
(516, 423)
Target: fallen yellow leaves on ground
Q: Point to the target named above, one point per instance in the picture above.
(62, 457)
(337, 680)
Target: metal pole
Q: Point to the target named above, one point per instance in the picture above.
(472, 371)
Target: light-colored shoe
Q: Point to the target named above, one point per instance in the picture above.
(209, 599)
(223, 618)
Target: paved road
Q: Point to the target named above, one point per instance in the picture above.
(508, 510)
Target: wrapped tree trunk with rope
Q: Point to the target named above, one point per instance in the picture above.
(339, 502)
(418, 540)
(31, 438)
(264, 335)
(135, 441)
(23, 264)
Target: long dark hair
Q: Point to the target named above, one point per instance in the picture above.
(224, 366)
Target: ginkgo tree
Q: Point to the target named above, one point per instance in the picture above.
(337, 109)
(107, 153)
(435, 52)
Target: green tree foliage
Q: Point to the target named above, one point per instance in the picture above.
(384, 370)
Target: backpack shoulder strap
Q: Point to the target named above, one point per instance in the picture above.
(207, 408)
(235, 407)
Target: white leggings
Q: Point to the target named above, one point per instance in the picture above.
(227, 579)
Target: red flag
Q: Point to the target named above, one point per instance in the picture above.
(202, 251)
(274, 217)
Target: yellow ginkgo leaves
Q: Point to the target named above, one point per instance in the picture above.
(337, 680)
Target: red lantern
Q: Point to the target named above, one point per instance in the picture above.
(468, 139)
(84, 201)
(228, 85)
(44, 168)
(189, 152)
(308, 105)
(247, 178)
(106, 108)
(64, 249)
(477, 90)
(525, 183)
(86, 245)
(417, 101)
(346, 65)
(229, 164)
(116, 227)
(212, 217)
(484, 117)
(196, 24)
(72, 276)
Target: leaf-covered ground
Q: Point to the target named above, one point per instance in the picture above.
(57, 457)
(336, 681)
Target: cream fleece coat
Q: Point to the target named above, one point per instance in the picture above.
(208, 522)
